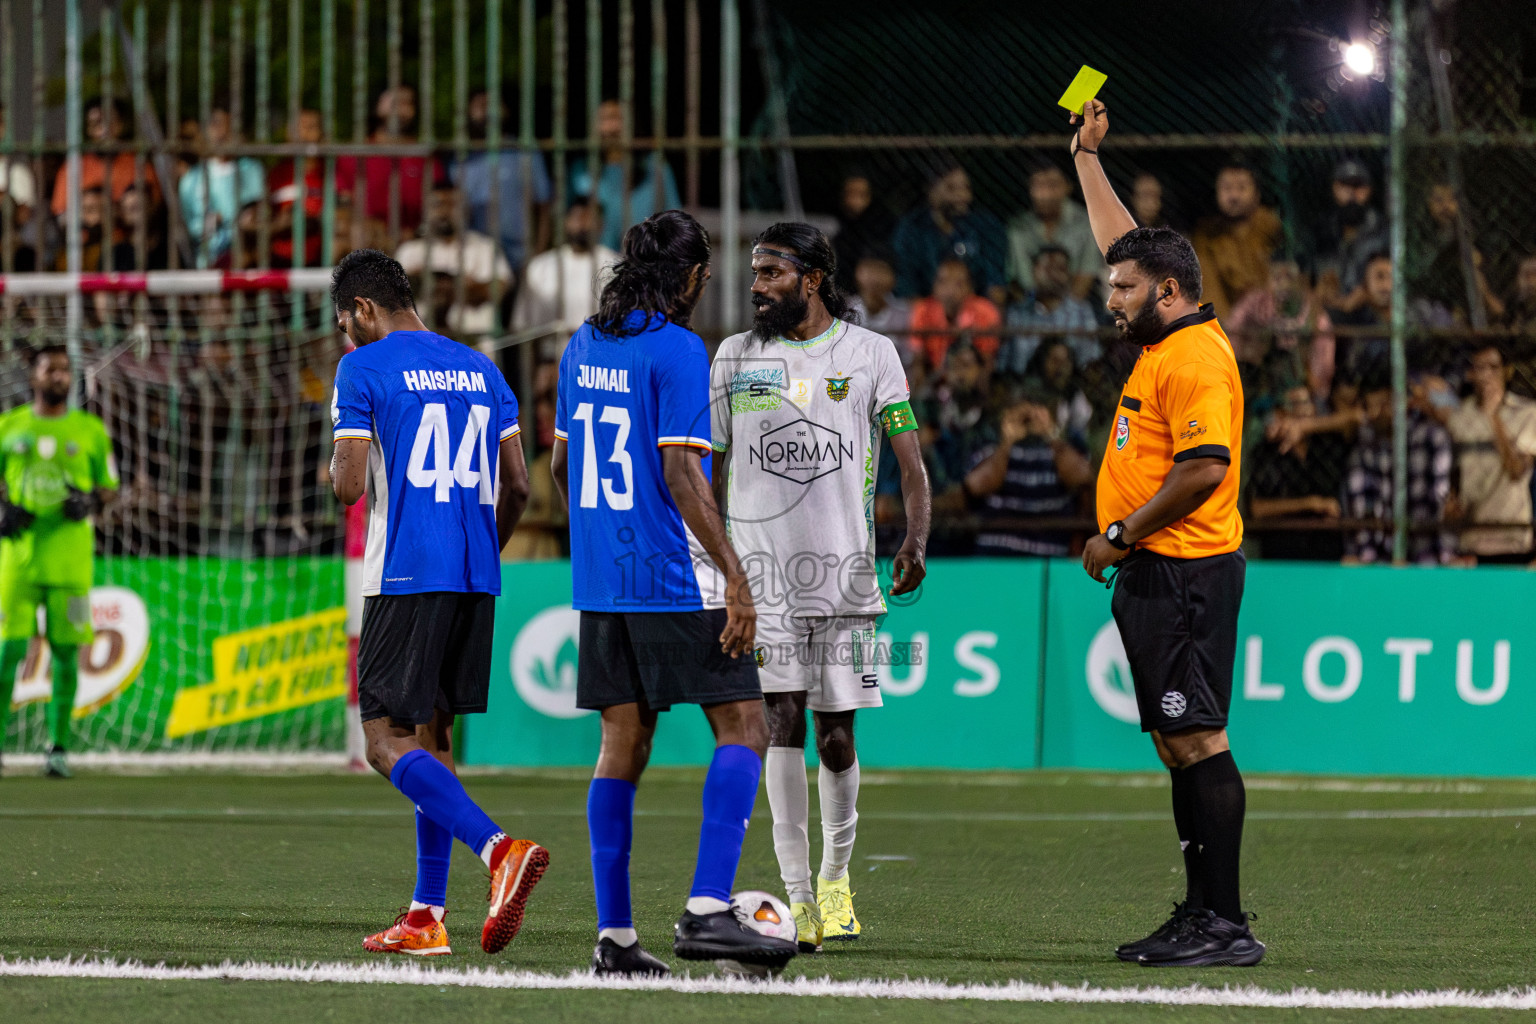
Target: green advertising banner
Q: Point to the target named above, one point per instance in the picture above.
(964, 691)
(1367, 670)
(1339, 669)
(202, 654)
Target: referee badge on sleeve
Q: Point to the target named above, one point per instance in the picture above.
(1122, 431)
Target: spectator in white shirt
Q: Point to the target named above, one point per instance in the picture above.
(560, 287)
(473, 257)
(17, 184)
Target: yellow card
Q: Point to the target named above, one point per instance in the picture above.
(1083, 88)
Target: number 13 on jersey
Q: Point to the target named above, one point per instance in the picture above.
(620, 499)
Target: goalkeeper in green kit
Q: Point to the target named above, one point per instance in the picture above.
(57, 469)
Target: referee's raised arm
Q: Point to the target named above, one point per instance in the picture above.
(1106, 214)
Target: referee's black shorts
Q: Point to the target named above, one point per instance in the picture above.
(663, 658)
(420, 653)
(1178, 621)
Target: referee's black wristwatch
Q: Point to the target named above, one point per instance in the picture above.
(1115, 534)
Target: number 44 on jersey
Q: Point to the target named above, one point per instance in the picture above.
(471, 465)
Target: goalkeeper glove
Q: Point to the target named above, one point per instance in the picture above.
(13, 519)
(79, 504)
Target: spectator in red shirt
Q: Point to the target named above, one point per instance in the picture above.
(380, 172)
(105, 125)
(285, 192)
(955, 307)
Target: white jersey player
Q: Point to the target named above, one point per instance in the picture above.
(798, 408)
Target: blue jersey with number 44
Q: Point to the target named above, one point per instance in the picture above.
(434, 413)
(620, 402)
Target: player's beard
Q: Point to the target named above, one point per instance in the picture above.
(775, 317)
(1143, 329)
(54, 396)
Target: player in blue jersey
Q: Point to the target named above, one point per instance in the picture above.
(427, 428)
(666, 612)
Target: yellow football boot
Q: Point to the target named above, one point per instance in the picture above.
(835, 901)
(807, 926)
(403, 938)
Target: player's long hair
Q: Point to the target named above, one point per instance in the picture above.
(813, 248)
(652, 275)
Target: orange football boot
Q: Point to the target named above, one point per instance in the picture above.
(403, 938)
(511, 882)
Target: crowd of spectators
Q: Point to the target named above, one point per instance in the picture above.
(1013, 365)
(471, 231)
(1015, 369)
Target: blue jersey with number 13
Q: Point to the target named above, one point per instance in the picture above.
(620, 402)
(435, 413)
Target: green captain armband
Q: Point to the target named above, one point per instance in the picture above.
(898, 419)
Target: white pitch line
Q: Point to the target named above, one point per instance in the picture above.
(1000, 817)
(392, 973)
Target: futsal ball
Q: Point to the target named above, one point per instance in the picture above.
(765, 914)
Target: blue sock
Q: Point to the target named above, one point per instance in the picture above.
(730, 789)
(434, 845)
(439, 795)
(611, 824)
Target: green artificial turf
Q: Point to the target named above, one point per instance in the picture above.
(968, 878)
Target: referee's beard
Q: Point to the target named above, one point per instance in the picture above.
(1145, 327)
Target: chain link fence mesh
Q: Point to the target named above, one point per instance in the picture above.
(857, 118)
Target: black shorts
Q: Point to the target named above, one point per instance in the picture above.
(420, 653)
(1178, 620)
(663, 658)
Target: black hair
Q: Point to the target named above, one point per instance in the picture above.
(1489, 345)
(38, 354)
(954, 261)
(1237, 163)
(814, 249)
(939, 165)
(1160, 253)
(118, 106)
(651, 276)
(371, 274)
(1047, 249)
(1036, 365)
(1379, 254)
(878, 251)
(581, 203)
(1042, 165)
(1375, 379)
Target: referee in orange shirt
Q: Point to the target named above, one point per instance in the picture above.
(1167, 505)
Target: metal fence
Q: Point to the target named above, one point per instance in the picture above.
(283, 134)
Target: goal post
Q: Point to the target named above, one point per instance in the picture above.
(221, 611)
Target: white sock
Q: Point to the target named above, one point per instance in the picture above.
(490, 847)
(620, 936)
(839, 819)
(437, 912)
(789, 800)
(706, 905)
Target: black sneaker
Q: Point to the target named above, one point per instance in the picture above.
(1129, 951)
(1205, 940)
(610, 958)
(723, 936)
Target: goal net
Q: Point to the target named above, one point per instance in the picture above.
(219, 608)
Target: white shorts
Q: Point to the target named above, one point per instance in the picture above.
(831, 660)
